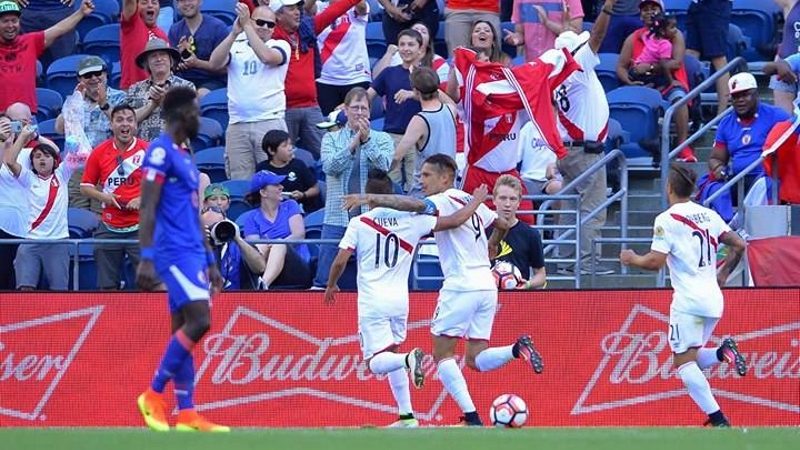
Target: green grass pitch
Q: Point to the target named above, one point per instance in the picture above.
(419, 439)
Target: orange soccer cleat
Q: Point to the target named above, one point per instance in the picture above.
(189, 420)
(152, 406)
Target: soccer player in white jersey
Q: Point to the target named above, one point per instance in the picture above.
(384, 241)
(686, 237)
(468, 298)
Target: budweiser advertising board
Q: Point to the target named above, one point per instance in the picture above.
(285, 359)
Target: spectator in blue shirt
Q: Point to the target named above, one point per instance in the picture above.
(742, 133)
(240, 264)
(276, 218)
(196, 36)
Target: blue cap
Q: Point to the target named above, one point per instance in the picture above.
(265, 178)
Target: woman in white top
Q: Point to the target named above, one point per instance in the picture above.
(13, 204)
(48, 179)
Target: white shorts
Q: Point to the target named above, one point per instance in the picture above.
(376, 334)
(465, 314)
(688, 331)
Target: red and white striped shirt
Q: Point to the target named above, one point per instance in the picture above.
(343, 50)
(582, 105)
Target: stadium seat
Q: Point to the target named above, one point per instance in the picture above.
(62, 74)
(757, 19)
(637, 109)
(87, 269)
(617, 136)
(81, 223)
(375, 11)
(211, 161)
(48, 130)
(509, 50)
(377, 110)
(678, 8)
(376, 124)
(307, 158)
(49, 104)
(607, 71)
(428, 267)
(103, 41)
(215, 106)
(224, 10)
(314, 221)
(116, 75)
(39, 72)
(210, 134)
(439, 43)
(237, 208)
(238, 190)
(106, 12)
(376, 42)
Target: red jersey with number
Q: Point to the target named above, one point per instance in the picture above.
(119, 173)
(134, 34)
(18, 69)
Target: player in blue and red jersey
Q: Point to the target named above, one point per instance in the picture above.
(174, 250)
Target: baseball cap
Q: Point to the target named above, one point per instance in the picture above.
(265, 178)
(571, 40)
(216, 189)
(660, 3)
(743, 81)
(91, 64)
(336, 118)
(9, 7)
(275, 5)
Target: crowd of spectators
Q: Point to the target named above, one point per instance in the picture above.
(289, 65)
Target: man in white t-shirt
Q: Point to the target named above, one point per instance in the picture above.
(583, 123)
(257, 66)
(468, 298)
(384, 241)
(13, 202)
(686, 238)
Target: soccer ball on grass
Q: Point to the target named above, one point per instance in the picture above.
(509, 411)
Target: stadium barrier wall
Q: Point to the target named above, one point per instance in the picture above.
(285, 359)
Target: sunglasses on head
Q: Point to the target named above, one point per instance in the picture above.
(261, 22)
(90, 75)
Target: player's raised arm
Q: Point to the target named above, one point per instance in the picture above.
(146, 277)
(397, 202)
(462, 215)
(651, 261)
(737, 246)
(337, 269)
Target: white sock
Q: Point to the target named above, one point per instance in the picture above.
(698, 387)
(494, 358)
(707, 357)
(386, 362)
(398, 380)
(453, 380)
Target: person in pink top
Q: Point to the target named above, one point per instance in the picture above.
(657, 47)
(537, 23)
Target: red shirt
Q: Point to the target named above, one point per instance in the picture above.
(788, 156)
(480, 5)
(134, 34)
(302, 91)
(18, 69)
(119, 173)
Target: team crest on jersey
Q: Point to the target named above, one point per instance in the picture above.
(157, 156)
(137, 159)
(291, 176)
(746, 139)
(658, 232)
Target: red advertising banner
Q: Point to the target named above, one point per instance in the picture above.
(285, 359)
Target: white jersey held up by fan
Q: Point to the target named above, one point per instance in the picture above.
(686, 238)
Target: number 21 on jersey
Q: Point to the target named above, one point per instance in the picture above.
(704, 238)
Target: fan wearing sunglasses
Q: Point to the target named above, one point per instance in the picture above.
(257, 66)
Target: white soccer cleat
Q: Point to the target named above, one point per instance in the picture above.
(414, 364)
(404, 423)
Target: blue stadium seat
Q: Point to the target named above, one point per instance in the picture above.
(62, 74)
(428, 266)
(678, 8)
(238, 190)
(607, 71)
(39, 72)
(81, 223)
(307, 158)
(376, 42)
(103, 41)
(92, 21)
(48, 130)
(211, 161)
(237, 208)
(439, 43)
(215, 106)
(376, 124)
(50, 103)
(210, 134)
(314, 221)
(116, 75)
(87, 269)
(637, 109)
(224, 10)
(376, 109)
(509, 50)
(375, 11)
(757, 19)
(617, 136)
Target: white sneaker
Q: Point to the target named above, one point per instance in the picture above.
(414, 363)
(404, 423)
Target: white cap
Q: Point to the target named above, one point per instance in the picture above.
(571, 40)
(743, 81)
(275, 5)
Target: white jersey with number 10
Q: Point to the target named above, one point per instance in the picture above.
(689, 235)
(384, 241)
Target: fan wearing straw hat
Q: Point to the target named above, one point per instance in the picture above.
(159, 60)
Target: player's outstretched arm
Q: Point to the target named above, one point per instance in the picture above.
(398, 202)
(737, 246)
(652, 261)
(500, 228)
(337, 269)
(462, 215)
(146, 277)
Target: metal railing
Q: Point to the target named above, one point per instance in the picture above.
(666, 154)
(660, 277)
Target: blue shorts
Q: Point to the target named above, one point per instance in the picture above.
(707, 28)
(186, 281)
